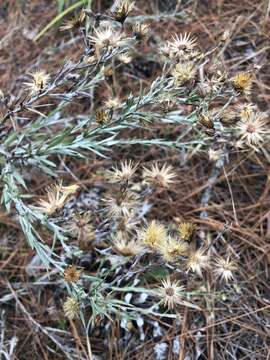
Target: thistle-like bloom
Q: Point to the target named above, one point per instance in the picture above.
(154, 235)
(156, 176)
(140, 31)
(182, 44)
(197, 261)
(125, 58)
(102, 116)
(57, 195)
(170, 293)
(39, 82)
(106, 37)
(124, 172)
(242, 82)
(72, 274)
(127, 247)
(81, 228)
(224, 269)
(172, 249)
(112, 103)
(74, 23)
(184, 72)
(123, 204)
(121, 9)
(186, 230)
(253, 129)
(246, 111)
(71, 308)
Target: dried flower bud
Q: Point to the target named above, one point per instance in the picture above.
(206, 121)
(140, 31)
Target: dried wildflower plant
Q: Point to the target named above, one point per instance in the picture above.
(192, 93)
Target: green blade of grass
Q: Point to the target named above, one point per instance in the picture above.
(59, 17)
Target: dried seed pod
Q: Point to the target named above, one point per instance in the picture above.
(206, 121)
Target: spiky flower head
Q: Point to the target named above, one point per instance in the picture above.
(172, 249)
(39, 82)
(127, 247)
(242, 82)
(102, 117)
(121, 9)
(224, 269)
(124, 172)
(246, 111)
(122, 204)
(181, 45)
(197, 261)
(184, 72)
(186, 230)
(74, 23)
(71, 308)
(140, 31)
(125, 58)
(153, 235)
(72, 274)
(170, 292)
(57, 195)
(80, 226)
(252, 130)
(113, 103)
(159, 176)
(106, 37)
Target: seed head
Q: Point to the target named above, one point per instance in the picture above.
(197, 261)
(121, 9)
(154, 235)
(71, 274)
(57, 195)
(186, 230)
(163, 176)
(74, 23)
(180, 45)
(184, 72)
(242, 82)
(170, 293)
(252, 130)
(224, 269)
(124, 172)
(172, 249)
(106, 37)
(39, 82)
(127, 247)
(140, 31)
(71, 308)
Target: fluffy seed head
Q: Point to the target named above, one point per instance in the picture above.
(75, 23)
(184, 72)
(224, 269)
(71, 308)
(172, 249)
(197, 261)
(186, 230)
(154, 235)
(57, 195)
